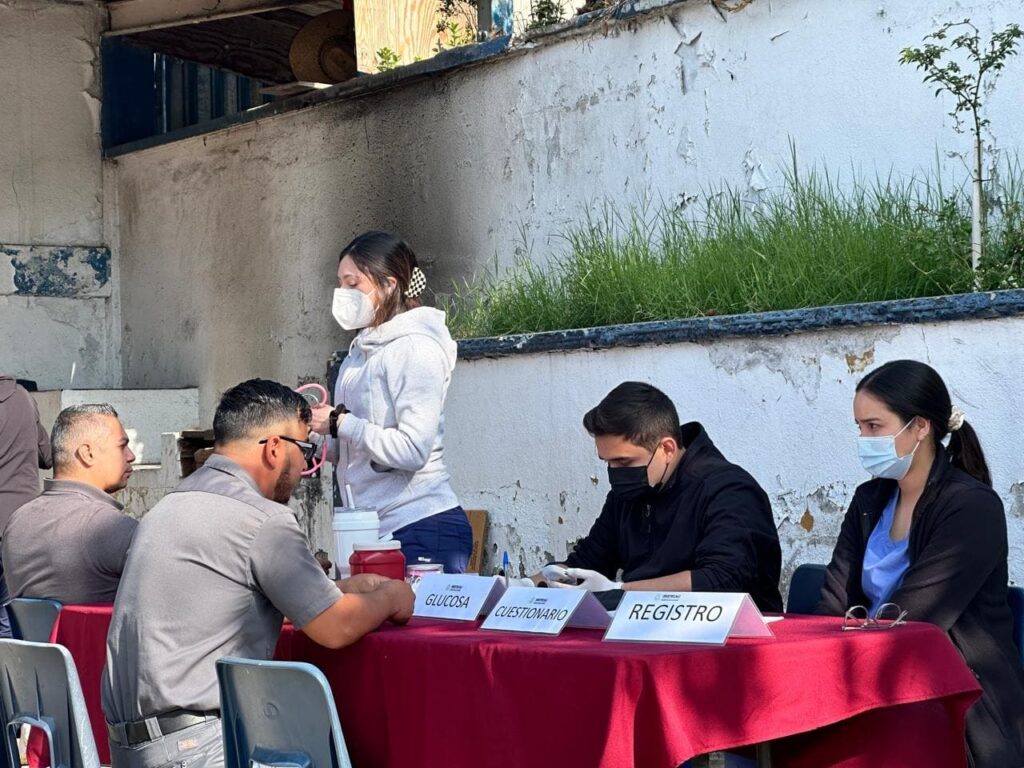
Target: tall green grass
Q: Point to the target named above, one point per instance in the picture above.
(810, 243)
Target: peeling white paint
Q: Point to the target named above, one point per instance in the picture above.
(50, 164)
(780, 407)
(466, 165)
(51, 190)
(462, 165)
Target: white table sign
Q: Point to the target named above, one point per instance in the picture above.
(686, 617)
(546, 611)
(457, 596)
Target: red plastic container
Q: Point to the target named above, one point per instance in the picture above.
(381, 557)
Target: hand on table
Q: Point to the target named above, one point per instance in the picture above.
(320, 423)
(362, 583)
(592, 581)
(402, 600)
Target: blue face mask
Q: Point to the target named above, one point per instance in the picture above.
(878, 455)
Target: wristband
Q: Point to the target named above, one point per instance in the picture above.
(333, 420)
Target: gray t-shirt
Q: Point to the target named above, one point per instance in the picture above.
(69, 544)
(212, 568)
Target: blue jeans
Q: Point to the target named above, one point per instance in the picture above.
(444, 538)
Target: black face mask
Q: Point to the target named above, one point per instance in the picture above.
(630, 483)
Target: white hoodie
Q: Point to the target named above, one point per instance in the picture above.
(390, 444)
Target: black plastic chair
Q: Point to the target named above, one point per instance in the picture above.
(1017, 609)
(33, 619)
(805, 588)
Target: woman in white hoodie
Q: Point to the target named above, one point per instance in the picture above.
(386, 431)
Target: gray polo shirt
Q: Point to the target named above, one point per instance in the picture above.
(212, 568)
(69, 544)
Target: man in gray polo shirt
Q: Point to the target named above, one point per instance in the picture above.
(70, 543)
(212, 569)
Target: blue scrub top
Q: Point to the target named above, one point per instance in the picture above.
(885, 560)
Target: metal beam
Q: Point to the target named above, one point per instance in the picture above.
(127, 16)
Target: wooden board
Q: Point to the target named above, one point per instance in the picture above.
(408, 27)
(478, 522)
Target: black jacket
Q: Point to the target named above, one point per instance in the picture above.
(710, 518)
(957, 579)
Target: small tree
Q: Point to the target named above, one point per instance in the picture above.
(965, 85)
(387, 60)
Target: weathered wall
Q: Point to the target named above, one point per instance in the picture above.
(145, 414)
(779, 406)
(229, 240)
(58, 311)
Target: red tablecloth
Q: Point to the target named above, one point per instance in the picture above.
(437, 693)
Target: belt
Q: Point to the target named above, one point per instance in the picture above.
(151, 728)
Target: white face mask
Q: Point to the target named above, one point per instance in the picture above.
(878, 455)
(352, 308)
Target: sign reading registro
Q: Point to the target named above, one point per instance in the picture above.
(686, 617)
(458, 597)
(543, 611)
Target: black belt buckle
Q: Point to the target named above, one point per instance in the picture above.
(138, 731)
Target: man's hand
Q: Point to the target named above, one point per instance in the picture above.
(362, 583)
(592, 581)
(355, 613)
(321, 421)
(402, 599)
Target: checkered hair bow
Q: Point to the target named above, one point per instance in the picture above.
(417, 282)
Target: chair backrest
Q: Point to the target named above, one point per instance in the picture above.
(1017, 609)
(39, 687)
(278, 713)
(33, 619)
(805, 588)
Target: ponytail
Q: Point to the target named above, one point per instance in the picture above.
(965, 453)
(910, 388)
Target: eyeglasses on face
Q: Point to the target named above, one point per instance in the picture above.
(887, 616)
(308, 449)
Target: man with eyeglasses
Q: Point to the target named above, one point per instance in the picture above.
(213, 568)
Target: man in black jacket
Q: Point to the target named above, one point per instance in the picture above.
(679, 516)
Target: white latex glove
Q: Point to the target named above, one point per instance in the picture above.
(555, 576)
(523, 582)
(592, 581)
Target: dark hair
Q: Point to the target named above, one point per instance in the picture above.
(256, 404)
(636, 411)
(910, 389)
(382, 255)
(69, 430)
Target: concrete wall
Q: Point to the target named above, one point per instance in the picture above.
(229, 240)
(780, 406)
(58, 309)
(145, 414)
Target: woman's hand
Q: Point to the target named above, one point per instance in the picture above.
(321, 421)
